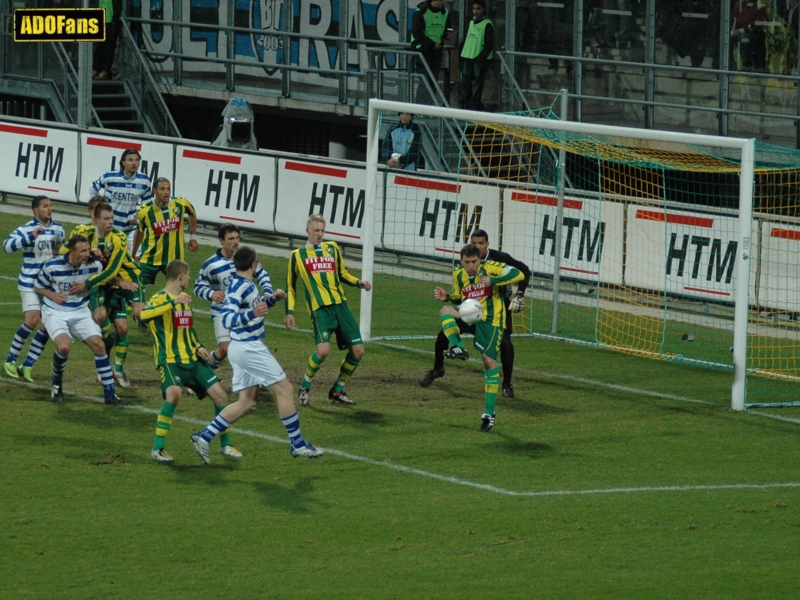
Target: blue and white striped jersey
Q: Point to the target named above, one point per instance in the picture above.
(125, 195)
(36, 251)
(215, 274)
(58, 275)
(237, 310)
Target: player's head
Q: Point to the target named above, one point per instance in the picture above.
(315, 227)
(78, 247)
(94, 201)
(178, 270)
(42, 208)
(478, 8)
(405, 117)
(103, 218)
(229, 238)
(480, 239)
(129, 161)
(470, 259)
(244, 258)
(162, 191)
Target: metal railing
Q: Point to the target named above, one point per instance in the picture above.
(51, 63)
(135, 72)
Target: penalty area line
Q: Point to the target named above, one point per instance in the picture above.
(385, 464)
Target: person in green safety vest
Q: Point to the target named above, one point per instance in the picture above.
(104, 51)
(430, 29)
(475, 56)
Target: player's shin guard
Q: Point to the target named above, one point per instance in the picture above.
(349, 365)
(314, 364)
(292, 425)
(491, 380)
(59, 365)
(218, 425)
(103, 367)
(163, 424)
(121, 352)
(451, 330)
(36, 349)
(19, 340)
(224, 436)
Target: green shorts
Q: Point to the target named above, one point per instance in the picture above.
(487, 339)
(150, 272)
(118, 300)
(337, 319)
(196, 376)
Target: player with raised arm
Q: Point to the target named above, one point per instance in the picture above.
(482, 281)
(66, 314)
(515, 302)
(117, 286)
(320, 266)
(243, 314)
(160, 231)
(39, 241)
(212, 281)
(180, 357)
(126, 191)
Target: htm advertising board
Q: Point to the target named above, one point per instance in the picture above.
(591, 235)
(39, 161)
(227, 187)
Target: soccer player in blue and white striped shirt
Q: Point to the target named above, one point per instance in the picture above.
(126, 191)
(212, 281)
(243, 313)
(39, 241)
(66, 314)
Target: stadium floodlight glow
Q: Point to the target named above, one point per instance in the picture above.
(626, 186)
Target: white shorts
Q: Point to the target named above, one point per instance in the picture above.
(253, 365)
(75, 323)
(30, 301)
(223, 335)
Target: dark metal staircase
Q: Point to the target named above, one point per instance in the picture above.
(114, 106)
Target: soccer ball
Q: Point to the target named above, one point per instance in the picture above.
(470, 311)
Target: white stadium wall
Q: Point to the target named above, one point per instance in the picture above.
(274, 193)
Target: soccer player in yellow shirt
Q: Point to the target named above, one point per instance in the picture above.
(320, 266)
(180, 357)
(160, 231)
(481, 281)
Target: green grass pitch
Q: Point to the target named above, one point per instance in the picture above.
(609, 476)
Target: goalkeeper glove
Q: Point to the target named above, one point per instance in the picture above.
(517, 302)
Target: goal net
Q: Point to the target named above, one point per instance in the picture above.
(641, 241)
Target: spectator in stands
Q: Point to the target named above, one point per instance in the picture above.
(475, 56)
(747, 34)
(400, 148)
(104, 51)
(688, 28)
(553, 21)
(430, 29)
(618, 18)
(781, 38)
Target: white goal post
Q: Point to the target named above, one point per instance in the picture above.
(741, 151)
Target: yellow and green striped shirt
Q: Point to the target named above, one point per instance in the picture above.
(322, 272)
(172, 325)
(490, 296)
(117, 260)
(162, 231)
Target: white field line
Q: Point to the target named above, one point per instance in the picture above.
(385, 464)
